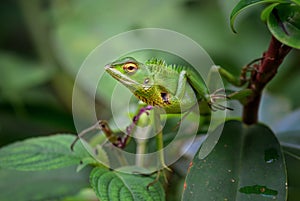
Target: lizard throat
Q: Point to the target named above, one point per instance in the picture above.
(151, 100)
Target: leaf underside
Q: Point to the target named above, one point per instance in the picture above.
(284, 24)
(243, 4)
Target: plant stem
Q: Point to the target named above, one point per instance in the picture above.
(264, 73)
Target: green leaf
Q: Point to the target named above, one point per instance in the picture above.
(41, 185)
(267, 11)
(284, 24)
(42, 153)
(290, 142)
(293, 165)
(246, 164)
(243, 4)
(86, 194)
(113, 185)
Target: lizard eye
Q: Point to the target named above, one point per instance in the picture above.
(130, 67)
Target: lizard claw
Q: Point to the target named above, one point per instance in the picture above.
(219, 94)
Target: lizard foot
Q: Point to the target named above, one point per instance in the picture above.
(215, 97)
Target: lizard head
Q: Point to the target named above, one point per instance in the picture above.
(134, 75)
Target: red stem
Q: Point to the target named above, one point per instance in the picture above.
(264, 73)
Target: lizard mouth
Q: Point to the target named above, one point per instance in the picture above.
(120, 77)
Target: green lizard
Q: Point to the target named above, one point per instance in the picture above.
(117, 139)
(176, 89)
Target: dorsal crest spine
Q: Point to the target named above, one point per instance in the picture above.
(156, 61)
(162, 63)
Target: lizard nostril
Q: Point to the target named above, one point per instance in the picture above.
(107, 66)
(146, 81)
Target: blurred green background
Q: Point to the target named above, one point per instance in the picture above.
(44, 42)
